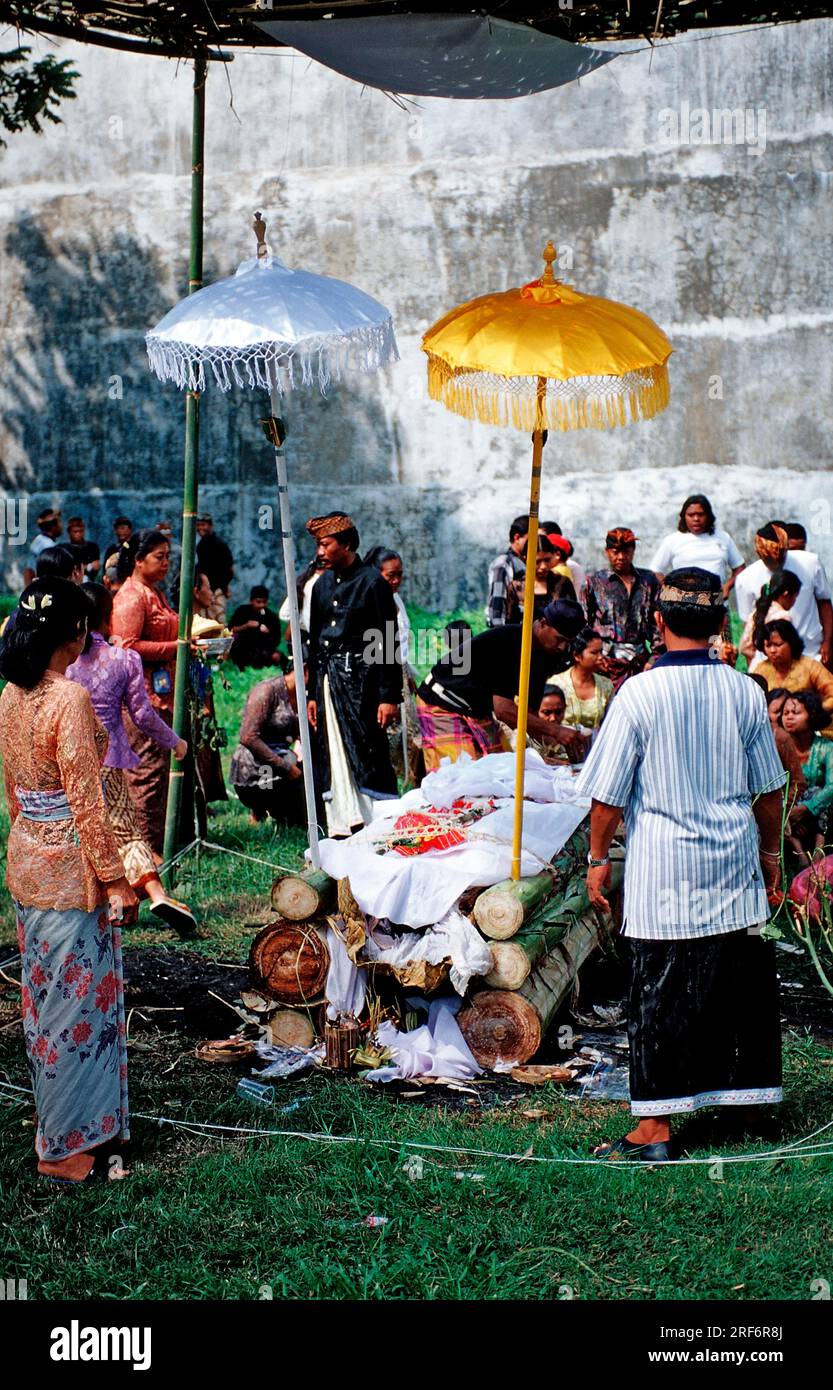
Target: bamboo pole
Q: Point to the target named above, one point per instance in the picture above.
(526, 636)
(295, 625)
(191, 479)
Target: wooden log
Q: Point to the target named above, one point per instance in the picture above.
(513, 960)
(291, 1028)
(555, 974)
(300, 897)
(289, 962)
(502, 910)
(507, 1026)
(500, 1026)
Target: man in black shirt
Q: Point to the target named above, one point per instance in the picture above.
(89, 553)
(468, 691)
(257, 632)
(355, 676)
(216, 562)
(123, 528)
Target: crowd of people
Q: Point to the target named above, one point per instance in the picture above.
(86, 731)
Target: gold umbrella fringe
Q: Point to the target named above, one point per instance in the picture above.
(600, 403)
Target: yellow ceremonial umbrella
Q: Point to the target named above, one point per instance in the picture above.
(545, 357)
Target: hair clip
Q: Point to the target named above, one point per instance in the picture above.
(35, 602)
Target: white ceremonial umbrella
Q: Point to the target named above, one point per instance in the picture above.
(275, 329)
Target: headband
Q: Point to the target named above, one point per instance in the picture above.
(770, 550)
(691, 598)
(620, 535)
(319, 526)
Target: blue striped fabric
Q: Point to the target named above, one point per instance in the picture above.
(684, 749)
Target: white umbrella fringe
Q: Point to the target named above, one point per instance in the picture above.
(317, 360)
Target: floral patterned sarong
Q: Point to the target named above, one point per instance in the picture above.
(73, 1023)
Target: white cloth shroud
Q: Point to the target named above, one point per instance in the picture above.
(494, 775)
(438, 1048)
(455, 938)
(345, 987)
(418, 891)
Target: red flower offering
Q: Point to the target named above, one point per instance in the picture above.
(420, 832)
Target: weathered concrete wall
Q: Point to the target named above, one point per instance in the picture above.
(726, 245)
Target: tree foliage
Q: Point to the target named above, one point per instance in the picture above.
(30, 91)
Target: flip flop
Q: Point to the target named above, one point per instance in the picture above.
(625, 1149)
(176, 915)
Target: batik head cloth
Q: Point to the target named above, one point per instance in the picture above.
(618, 536)
(691, 598)
(319, 526)
(772, 549)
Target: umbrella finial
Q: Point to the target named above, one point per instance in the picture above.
(259, 227)
(550, 255)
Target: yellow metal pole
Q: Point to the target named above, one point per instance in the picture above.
(526, 636)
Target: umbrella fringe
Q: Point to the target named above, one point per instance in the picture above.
(319, 361)
(603, 402)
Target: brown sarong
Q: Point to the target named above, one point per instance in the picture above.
(148, 782)
(139, 863)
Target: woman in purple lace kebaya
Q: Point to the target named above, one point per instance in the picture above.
(115, 681)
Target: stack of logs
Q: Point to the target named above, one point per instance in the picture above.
(289, 959)
(540, 931)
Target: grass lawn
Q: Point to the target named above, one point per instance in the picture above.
(210, 1216)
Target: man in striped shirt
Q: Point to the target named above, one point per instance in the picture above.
(504, 571)
(687, 755)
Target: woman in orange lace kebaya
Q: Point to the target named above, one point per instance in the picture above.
(67, 879)
(144, 620)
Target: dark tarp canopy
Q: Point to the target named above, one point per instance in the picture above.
(472, 57)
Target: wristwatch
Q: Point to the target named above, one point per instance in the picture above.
(598, 863)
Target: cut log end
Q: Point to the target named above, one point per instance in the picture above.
(500, 911)
(510, 966)
(288, 1028)
(289, 962)
(500, 1027)
(498, 916)
(300, 897)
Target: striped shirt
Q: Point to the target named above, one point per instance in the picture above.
(684, 750)
(503, 571)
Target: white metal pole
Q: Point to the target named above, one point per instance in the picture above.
(295, 630)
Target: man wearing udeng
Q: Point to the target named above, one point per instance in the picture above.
(352, 699)
(687, 755)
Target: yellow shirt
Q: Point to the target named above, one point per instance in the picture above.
(804, 674)
(588, 713)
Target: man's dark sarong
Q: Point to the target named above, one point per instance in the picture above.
(703, 1023)
(355, 693)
